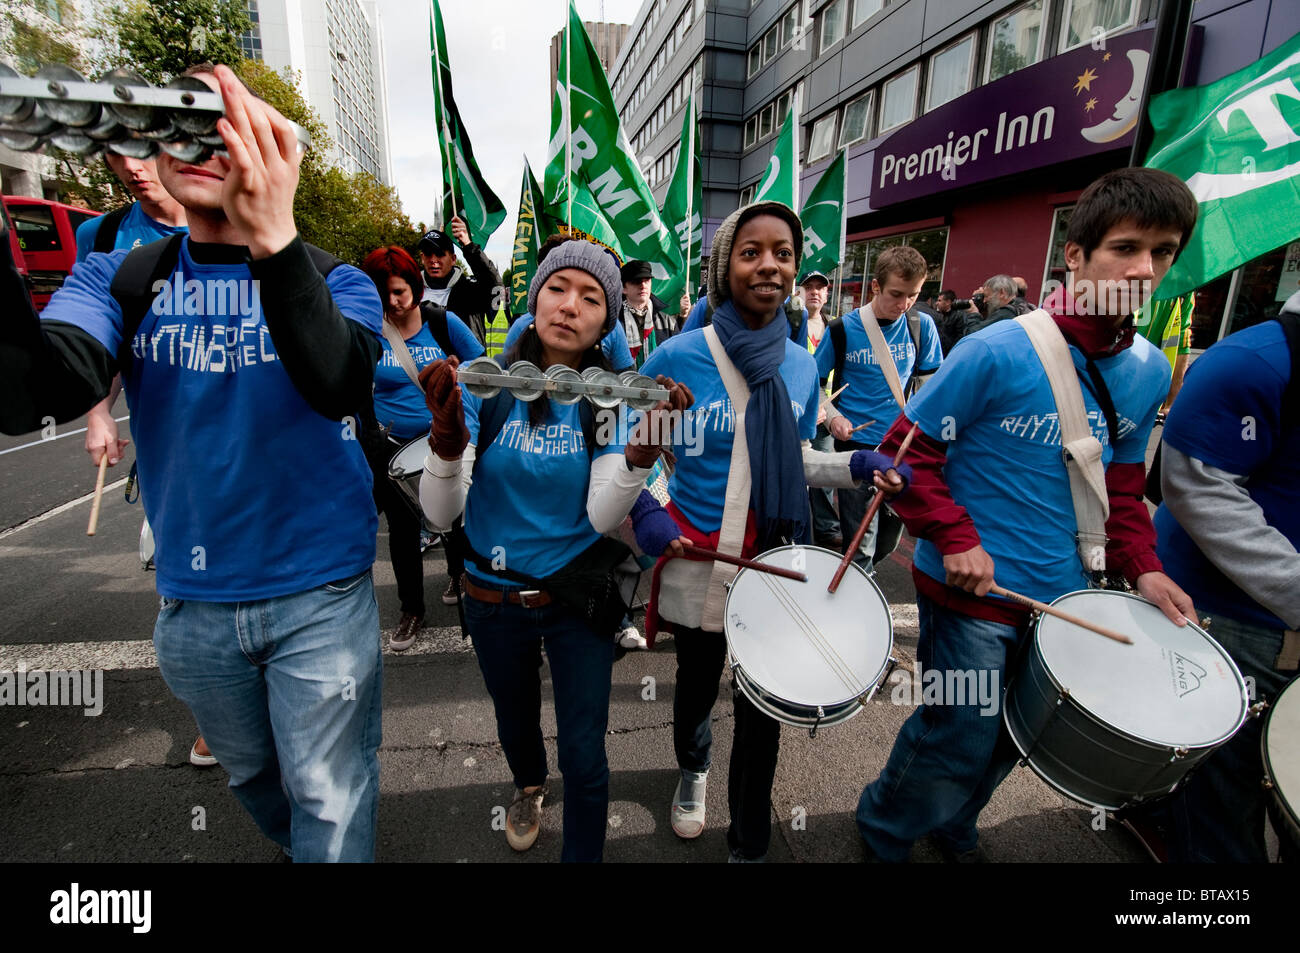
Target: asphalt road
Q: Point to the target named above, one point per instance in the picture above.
(119, 786)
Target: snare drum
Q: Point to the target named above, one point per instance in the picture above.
(405, 469)
(803, 655)
(1113, 725)
(1281, 749)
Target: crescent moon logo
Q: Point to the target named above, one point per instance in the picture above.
(1125, 116)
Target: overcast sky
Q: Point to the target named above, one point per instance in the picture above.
(500, 62)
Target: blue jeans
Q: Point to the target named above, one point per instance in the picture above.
(947, 759)
(508, 640)
(1217, 815)
(286, 692)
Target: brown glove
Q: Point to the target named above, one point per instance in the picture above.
(653, 434)
(449, 436)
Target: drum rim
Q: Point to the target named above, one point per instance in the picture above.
(836, 714)
(737, 664)
(1093, 716)
(401, 449)
(1278, 794)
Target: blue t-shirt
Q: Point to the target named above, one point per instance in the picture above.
(991, 403)
(695, 321)
(698, 486)
(614, 344)
(135, 229)
(527, 504)
(397, 398)
(250, 492)
(1242, 376)
(868, 396)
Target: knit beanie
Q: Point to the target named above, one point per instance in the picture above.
(725, 236)
(596, 261)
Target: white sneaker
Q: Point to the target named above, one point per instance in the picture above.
(630, 638)
(688, 806)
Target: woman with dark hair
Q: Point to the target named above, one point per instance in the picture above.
(755, 259)
(546, 484)
(413, 339)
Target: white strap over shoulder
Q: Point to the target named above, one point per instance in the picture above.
(883, 355)
(1081, 450)
(401, 352)
(735, 510)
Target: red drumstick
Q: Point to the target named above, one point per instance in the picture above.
(879, 498)
(744, 563)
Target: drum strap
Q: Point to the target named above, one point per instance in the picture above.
(883, 355)
(735, 509)
(1081, 450)
(402, 353)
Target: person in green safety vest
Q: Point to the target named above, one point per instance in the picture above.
(494, 338)
(1168, 325)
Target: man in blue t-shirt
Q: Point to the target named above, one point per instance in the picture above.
(990, 492)
(870, 401)
(1229, 531)
(243, 374)
(152, 216)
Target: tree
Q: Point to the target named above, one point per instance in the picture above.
(163, 38)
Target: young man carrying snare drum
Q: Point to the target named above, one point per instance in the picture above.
(991, 500)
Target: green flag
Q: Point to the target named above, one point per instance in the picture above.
(532, 226)
(780, 182)
(465, 190)
(682, 211)
(589, 151)
(1235, 144)
(823, 221)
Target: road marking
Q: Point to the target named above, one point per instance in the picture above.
(44, 440)
(59, 509)
(138, 654)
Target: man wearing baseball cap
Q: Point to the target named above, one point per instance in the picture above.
(471, 297)
(815, 288)
(646, 320)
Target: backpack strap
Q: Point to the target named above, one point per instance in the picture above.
(793, 317)
(106, 234)
(323, 260)
(133, 288)
(435, 316)
(914, 380)
(839, 345)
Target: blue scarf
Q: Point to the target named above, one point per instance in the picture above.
(778, 490)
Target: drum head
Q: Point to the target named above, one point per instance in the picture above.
(409, 461)
(1282, 746)
(1173, 686)
(800, 642)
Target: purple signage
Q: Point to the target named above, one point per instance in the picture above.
(1076, 104)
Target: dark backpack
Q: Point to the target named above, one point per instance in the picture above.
(793, 316)
(143, 267)
(839, 344)
(106, 235)
(435, 316)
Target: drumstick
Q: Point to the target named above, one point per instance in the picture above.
(874, 508)
(99, 494)
(744, 563)
(827, 398)
(861, 427)
(1064, 616)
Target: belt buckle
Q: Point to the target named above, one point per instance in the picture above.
(527, 595)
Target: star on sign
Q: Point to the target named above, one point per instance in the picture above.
(1090, 105)
(1106, 58)
(1085, 81)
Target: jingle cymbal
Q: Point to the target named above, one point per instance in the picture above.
(641, 382)
(77, 113)
(195, 122)
(564, 378)
(187, 150)
(608, 380)
(481, 365)
(531, 377)
(14, 108)
(134, 148)
(129, 114)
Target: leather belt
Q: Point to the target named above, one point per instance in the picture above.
(528, 598)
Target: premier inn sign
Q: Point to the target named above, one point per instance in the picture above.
(1076, 104)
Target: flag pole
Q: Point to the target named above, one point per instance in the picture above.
(797, 135)
(844, 222)
(442, 108)
(568, 119)
(690, 192)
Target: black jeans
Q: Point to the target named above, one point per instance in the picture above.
(403, 532)
(754, 749)
(886, 529)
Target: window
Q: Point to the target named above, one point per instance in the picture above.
(770, 43)
(782, 107)
(765, 121)
(1015, 41)
(755, 60)
(788, 25)
(864, 9)
(860, 261)
(1086, 20)
(747, 194)
(950, 72)
(751, 131)
(823, 138)
(76, 219)
(35, 227)
(898, 100)
(1055, 269)
(857, 119)
(832, 23)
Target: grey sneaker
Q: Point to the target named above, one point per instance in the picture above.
(524, 819)
(688, 805)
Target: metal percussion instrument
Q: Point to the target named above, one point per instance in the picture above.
(404, 470)
(484, 378)
(121, 112)
(1114, 725)
(802, 655)
(1280, 746)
